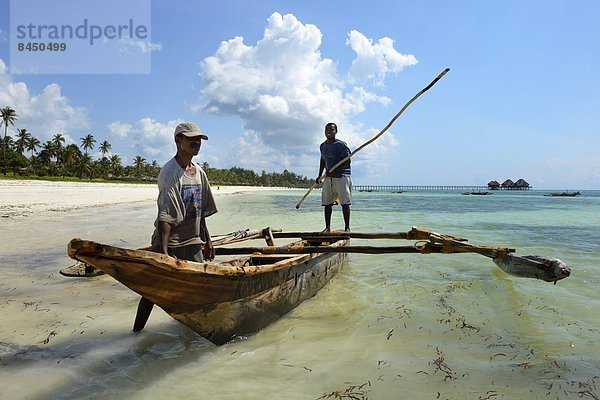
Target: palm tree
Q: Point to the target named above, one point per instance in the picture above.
(57, 150)
(115, 165)
(87, 142)
(23, 137)
(9, 116)
(71, 156)
(139, 163)
(152, 169)
(58, 140)
(32, 144)
(85, 167)
(105, 148)
(47, 152)
(8, 142)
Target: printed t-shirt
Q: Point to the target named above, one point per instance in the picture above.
(183, 200)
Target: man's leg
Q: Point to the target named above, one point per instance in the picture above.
(344, 190)
(328, 210)
(346, 213)
(143, 313)
(190, 253)
(144, 309)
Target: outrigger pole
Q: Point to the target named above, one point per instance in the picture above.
(426, 242)
(374, 138)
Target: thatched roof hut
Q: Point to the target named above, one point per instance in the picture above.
(493, 185)
(508, 184)
(521, 183)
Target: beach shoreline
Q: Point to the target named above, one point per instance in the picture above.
(23, 198)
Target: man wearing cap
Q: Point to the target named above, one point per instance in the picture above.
(184, 202)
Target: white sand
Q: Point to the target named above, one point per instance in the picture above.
(22, 198)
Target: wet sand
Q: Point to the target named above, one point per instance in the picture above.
(52, 328)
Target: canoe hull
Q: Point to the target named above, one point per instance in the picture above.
(224, 321)
(220, 301)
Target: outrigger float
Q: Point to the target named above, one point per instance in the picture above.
(222, 300)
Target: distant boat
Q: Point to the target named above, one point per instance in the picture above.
(477, 193)
(564, 194)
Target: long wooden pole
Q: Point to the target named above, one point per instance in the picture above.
(544, 268)
(374, 138)
(316, 249)
(434, 248)
(414, 234)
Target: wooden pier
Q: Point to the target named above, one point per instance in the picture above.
(419, 188)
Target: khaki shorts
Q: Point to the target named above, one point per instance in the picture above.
(337, 189)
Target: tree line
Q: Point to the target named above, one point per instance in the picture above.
(26, 155)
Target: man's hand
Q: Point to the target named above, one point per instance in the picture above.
(209, 251)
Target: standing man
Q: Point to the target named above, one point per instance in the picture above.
(184, 202)
(337, 185)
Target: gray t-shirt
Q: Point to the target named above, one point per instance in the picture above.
(183, 200)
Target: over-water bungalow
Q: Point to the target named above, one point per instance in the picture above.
(508, 184)
(521, 184)
(493, 185)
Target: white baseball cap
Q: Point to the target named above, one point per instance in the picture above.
(189, 129)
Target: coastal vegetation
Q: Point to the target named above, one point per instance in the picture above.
(26, 156)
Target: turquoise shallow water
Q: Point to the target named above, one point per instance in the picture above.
(388, 327)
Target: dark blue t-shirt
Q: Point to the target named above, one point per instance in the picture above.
(332, 153)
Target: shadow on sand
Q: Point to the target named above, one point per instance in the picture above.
(107, 365)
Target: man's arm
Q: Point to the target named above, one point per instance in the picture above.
(164, 230)
(343, 154)
(209, 249)
(321, 168)
(344, 165)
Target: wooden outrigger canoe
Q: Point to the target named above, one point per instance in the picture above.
(219, 300)
(239, 296)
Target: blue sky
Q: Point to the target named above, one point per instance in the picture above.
(262, 78)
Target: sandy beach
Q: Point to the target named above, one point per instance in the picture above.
(22, 198)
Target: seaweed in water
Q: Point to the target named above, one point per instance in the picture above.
(441, 365)
(584, 389)
(354, 392)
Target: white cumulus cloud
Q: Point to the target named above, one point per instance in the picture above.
(135, 46)
(43, 114)
(120, 129)
(374, 61)
(148, 137)
(285, 90)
